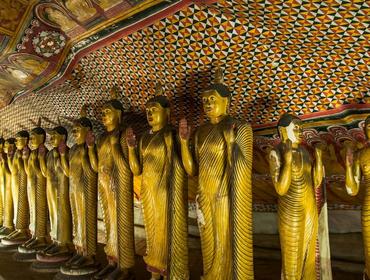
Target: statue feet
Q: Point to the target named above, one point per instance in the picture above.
(54, 253)
(17, 237)
(80, 265)
(109, 268)
(32, 246)
(5, 231)
(121, 274)
(365, 276)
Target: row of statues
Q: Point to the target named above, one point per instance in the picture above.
(65, 184)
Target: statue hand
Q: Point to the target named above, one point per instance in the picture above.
(288, 151)
(114, 138)
(184, 129)
(229, 134)
(130, 137)
(62, 148)
(42, 150)
(90, 138)
(25, 152)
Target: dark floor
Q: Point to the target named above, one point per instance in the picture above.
(347, 260)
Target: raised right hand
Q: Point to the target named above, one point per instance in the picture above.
(184, 129)
(90, 138)
(26, 152)
(62, 148)
(130, 137)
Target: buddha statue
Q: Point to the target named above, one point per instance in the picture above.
(36, 194)
(358, 169)
(16, 165)
(8, 212)
(57, 193)
(296, 175)
(2, 183)
(163, 193)
(115, 186)
(83, 195)
(222, 160)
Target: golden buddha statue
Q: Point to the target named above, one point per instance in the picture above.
(57, 192)
(358, 168)
(296, 175)
(115, 188)
(81, 9)
(2, 183)
(36, 193)
(163, 193)
(84, 199)
(16, 165)
(222, 160)
(8, 213)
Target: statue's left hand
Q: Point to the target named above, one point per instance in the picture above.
(230, 133)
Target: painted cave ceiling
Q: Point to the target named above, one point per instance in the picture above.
(308, 57)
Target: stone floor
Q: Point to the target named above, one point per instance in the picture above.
(346, 249)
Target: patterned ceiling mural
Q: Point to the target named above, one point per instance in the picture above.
(306, 57)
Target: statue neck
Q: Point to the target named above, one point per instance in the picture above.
(158, 127)
(111, 127)
(216, 120)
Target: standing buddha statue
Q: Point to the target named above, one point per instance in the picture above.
(8, 225)
(57, 191)
(2, 183)
(16, 165)
(296, 175)
(358, 168)
(115, 186)
(222, 160)
(163, 193)
(83, 197)
(36, 195)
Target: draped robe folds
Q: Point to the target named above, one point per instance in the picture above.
(83, 197)
(8, 198)
(163, 188)
(298, 220)
(57, 190)
(223, 186)
(2, 194)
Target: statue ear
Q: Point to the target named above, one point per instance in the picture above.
(283, 133)
(168, 113)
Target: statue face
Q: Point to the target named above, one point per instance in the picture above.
(293, 132)
(36, 140)
(21, 142)
(214, 104)
(55, 138)
(111, 116)
(156, 114)
(79, 132)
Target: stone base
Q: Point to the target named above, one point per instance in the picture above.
(8, 248)
(61, 276)
(46, 267)
(24, 257)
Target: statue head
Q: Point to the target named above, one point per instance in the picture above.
(9, 144)
(112, 111)
(80, 129)
(21, 139)
(290, 127)
(158, 112)
(57, 135)
(216, 98)
(367, 128)
(37, 137)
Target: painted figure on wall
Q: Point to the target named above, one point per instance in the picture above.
(29, 63)
(115, 185)
(222, 159)
(358, 169)
(59, 18)
(81, 9)
(296, 175)
(163, 193)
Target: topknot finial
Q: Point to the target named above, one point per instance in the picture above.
(83, 111)
(114, 92)
(39, 122)
(158, 89)
(219, 76)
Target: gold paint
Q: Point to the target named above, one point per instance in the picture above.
(83, 195)
(222, 160)
(115, 188)
(295, 176)
(358, 167)
(107, 4)
(65, 23)
(163, 193)
(31, 65)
